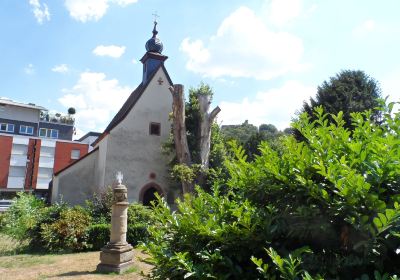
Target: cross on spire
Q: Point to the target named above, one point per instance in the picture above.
(156, 16)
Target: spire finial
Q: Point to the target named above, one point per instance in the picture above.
(154, 44)
(156, 16)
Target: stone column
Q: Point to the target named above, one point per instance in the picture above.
(117, 255)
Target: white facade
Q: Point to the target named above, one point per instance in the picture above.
(18, 161)
(130, 141)
(24, 114)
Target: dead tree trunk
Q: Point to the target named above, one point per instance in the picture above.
(179, 130)
(207, 120)
(180, 137)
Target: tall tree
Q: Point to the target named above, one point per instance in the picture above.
(349, 91)
(192, 125)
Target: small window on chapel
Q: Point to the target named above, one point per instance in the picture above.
(155, 128)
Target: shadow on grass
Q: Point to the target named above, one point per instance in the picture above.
(75, 273)
(80, 273)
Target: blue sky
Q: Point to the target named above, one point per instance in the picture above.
(262, 58)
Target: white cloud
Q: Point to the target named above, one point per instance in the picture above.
(112, 51)
(134, 61)
(62, 68)
(365, 28)
(124, 3)
(276, 106)
(96, 100)
(92, 10)
(281, 12)
(40, 11)
(244, 46)
(390, 86)
(29, 69)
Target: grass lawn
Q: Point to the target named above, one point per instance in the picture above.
(59, 266)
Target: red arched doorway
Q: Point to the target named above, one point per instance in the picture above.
(147, 193)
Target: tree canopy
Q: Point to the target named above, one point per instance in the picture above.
(349, 91)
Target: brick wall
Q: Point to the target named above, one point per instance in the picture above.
(5, 155)
(62, 157)
(33, 163)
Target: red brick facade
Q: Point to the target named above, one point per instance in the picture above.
(62, 157)
(33, 163)
(5, 155)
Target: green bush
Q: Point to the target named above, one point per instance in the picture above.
(139, 219)
(99, 206)
(69, 232)
(22, 216)
(209, 236)
(328, 206)
(98, 235)
(137, 233)
(49, 216)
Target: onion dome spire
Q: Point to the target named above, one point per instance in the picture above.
(154, 44)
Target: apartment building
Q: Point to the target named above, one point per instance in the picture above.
(34, 144)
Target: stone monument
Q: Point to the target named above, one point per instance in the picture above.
(117, 255)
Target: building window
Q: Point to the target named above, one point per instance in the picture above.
(75, 154)
(53, 133)
(155, 128)
(42, 132)
(24, 129)
(48, 133)
(7, 127)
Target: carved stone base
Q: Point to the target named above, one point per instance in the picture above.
(115, 258)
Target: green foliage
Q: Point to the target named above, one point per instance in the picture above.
(99, 206)
(240, 133)
(69, 232)
(98, 235)
(210, 236)
(139, 219)
(139, 214)
(195, 173)
(336, 193)
(22, 216)
(137, 234)
(49, 215)
(349, 91)
(193, 119)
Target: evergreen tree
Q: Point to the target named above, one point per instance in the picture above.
(349, 91)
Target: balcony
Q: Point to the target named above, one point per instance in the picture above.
(43, 183)
(18, 160)
(15, 182)
(56, 118)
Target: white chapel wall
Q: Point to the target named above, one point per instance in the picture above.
(132, 150)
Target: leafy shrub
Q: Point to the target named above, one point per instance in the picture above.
(140, 218)
(99, 206)
(209, 236)
(137, 233)
(49, 216)
(22, 216)
(138, 213)
(69, 232)
(99, 235)
(336, 193)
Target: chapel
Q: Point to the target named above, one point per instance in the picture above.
(131, 143)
